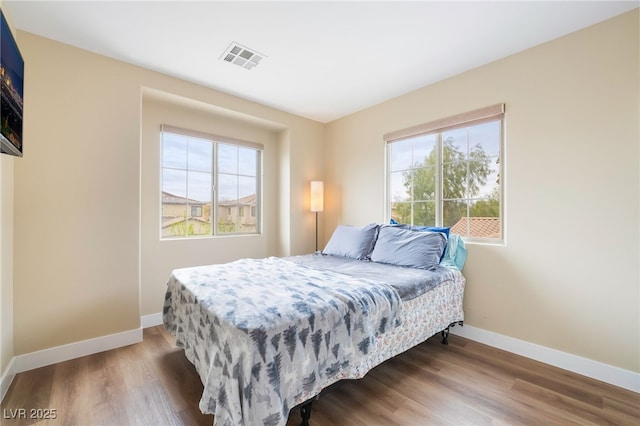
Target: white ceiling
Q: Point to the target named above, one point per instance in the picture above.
(324, 60)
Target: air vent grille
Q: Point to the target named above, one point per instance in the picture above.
(242, 56)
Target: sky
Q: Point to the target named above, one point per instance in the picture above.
(187, 166)
(410, 151)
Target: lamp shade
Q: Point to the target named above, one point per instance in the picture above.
(317, 196)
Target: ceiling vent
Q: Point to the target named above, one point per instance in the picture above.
(241, 56)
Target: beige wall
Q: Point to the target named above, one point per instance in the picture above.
(568, 276)
(6, 263)
(78, 248)
(6, 255)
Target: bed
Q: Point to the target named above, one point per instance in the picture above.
(268, 335)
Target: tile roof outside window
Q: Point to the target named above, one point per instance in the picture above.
(488, 227)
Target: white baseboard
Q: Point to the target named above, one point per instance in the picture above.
(7, 377)
(152, 320)
(596, 370)
(63, 353)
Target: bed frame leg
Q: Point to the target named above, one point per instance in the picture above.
(305, 413)
(445, 336)
(445, 333)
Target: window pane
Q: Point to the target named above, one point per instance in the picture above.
(248, 199)
(227, 188)
(479, 169)
(246, 186)
(196, 226)
(400, 186)
(400, 155)
(401, 212)
(415, 152)
(199, 187)
(227, 158)
(248, 222)
(228, 224)
(200, 155)
(174, 151)
(247, 164)
(174, 205)
(453, 211)
(490, 185)
(424, 150)
(455, 144)
(424, 213)
(454, 180)
(199, 200)
(487, 135)
(227, 203)
(424, 184)
(485, 226)
(486, 207)
(174, 182)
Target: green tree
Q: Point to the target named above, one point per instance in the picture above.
(489, 207)
(225, 226)
(462, 179)
(180, 229)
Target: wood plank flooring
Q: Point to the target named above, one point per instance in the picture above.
(463, 383)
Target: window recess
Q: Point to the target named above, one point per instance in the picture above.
(207, 182)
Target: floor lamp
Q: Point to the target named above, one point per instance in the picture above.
(317, 201)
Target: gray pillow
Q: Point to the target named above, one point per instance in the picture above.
(405, 247)
(351, 241)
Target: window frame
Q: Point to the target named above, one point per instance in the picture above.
(438, 127)
(214, 214)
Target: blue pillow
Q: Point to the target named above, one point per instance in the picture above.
(442, 229)
(352, 242)
(404, 247)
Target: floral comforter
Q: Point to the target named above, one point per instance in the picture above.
(264, 334)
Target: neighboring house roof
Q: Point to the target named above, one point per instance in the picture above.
(249, 200)
(171, 220)
(478, 227)
(169, 198)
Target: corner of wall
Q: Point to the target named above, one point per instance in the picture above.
(6, 272)
(6, 266)
(284, 193)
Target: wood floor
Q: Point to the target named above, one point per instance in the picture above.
(463, 383)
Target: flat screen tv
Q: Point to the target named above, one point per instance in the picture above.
(11, 104)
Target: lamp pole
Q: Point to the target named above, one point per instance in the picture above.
(316, 231)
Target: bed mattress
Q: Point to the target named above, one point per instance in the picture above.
(408, 282)
(268, 334)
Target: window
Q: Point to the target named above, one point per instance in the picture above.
(196, 211)
(212, 178)
(447, 173)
